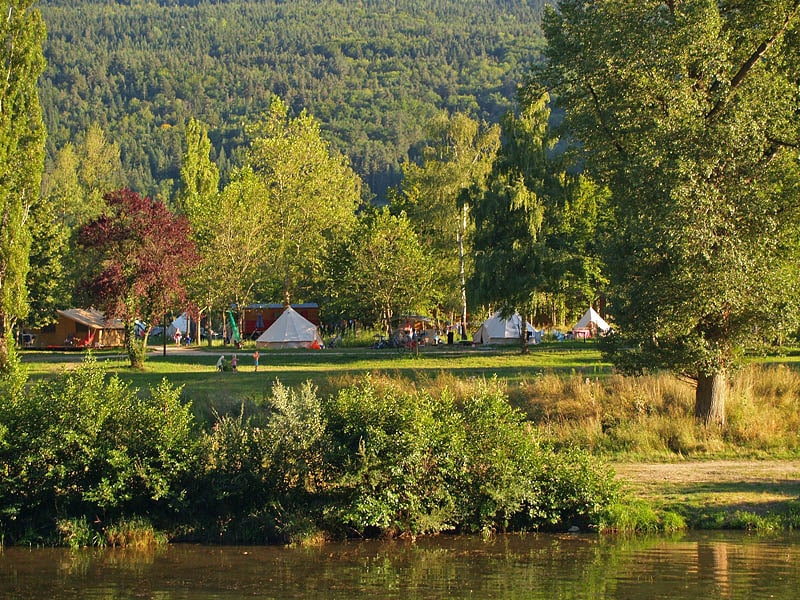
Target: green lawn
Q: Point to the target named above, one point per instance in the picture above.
(210, 390)
(202, 384)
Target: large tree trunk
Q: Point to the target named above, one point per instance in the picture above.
(6, 341)
(133, 347)
(4, 352)
(523, 337)
(709, 399)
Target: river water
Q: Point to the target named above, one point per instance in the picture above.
(703, 566)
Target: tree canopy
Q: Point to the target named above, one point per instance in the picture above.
(434, 194)
(382, 271)
(310, 196)
(537, 223)
(141, 253)
(687, 110)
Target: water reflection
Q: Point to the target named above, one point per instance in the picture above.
(692, 566)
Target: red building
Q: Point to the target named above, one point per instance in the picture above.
(258, 317)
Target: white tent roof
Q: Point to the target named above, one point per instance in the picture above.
(181, 323)
(496, 330)
(290, 330)
(591, 317)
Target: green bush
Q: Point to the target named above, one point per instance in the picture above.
(637, 516)
(392, 453)
(234, 483)
(415, 464)
(265, 476)
(573, 489)
(630, 517)
(137, 532)
(672, 522)
(78, 533)
(371, 459)
(501, 468)
(83, 444)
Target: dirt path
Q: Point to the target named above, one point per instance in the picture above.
(709, 471)
(757, 486)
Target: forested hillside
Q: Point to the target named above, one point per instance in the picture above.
(372, 71)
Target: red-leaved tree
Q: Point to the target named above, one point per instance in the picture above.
(140, 251)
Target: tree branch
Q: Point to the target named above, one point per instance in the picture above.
(783, 143)
(747, 66)
(603, 125)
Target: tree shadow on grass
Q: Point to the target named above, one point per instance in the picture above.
(717, 504)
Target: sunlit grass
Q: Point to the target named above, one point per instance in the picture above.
(211, 391)
(566, 390)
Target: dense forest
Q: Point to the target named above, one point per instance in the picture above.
(373, 72)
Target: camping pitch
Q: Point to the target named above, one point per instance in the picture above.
(497, 330)
(590, 325)
(290, 330)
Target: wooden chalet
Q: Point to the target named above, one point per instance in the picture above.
(81, 328)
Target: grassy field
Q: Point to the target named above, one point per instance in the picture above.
(207, 388)
(709, 492)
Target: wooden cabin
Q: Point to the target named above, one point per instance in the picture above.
(81, 328)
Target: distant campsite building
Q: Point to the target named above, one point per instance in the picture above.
(81, 328)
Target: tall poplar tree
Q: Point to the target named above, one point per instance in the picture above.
(199, 177)
(688, 110)
(22, 136)
(198, 199)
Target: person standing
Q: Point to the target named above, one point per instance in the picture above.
(234, 362)
(255, 360)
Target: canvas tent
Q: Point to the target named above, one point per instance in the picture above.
(497, 330)
(181, 324)
(590, 324)
(290, 330)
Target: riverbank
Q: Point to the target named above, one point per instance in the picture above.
(718, 494)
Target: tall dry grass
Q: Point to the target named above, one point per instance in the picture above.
(653, 416)
(647, 417)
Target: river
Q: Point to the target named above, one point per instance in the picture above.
(694, 565)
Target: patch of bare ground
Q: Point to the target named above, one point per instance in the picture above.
(729, 485)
